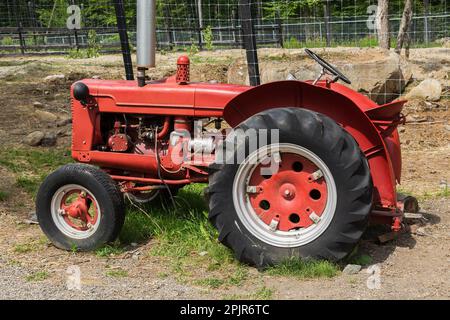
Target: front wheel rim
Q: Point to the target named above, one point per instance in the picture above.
(291, 207)
(75, 211)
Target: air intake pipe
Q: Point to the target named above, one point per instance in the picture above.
(145, 37)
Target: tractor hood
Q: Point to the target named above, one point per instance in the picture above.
(163, 96)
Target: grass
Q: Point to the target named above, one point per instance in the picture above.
(262, 293)
(362, 259)
(31, 166)
(117, 273)
(38, 276)
(31, 245)
(108, 251)
(304, 269)
(182, 236)
(4, 195)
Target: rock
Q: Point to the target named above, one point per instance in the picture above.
(351, 269)
(49, 139)
(383, 78)
(203, 253)
(63, 122)
(55, 79)
(34, 138)
(32, 219)
(447, 127)
(428, 89)
(38, 104)
(45, 116)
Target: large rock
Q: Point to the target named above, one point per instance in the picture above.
(428, 89)
(45, 116)
(55, 79)
(49, 139)
(382, 78)
(34, 138)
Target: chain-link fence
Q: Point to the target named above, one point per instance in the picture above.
(58, 26)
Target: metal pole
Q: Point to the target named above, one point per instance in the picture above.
(122, 29)
(249, 41)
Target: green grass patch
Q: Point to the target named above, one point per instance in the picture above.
(212, 283)
(4, 195)
(304, 269)
(31, 166)
(362, 259)
(117, 273)
(38, 276)
(109, 251)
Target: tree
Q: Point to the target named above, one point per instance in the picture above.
(383, 24)
(403, 36)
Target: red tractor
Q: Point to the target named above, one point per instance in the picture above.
(304, 168)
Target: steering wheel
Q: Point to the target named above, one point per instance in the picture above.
(328, 67)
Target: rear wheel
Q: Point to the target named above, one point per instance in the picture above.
(79, 206)
(315, 204)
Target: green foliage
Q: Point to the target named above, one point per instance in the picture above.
(4, 195)
(108, 251)
(117, 273)
(92, 50)
(7, 41)
(305, 269)
(193, 49)
(38, 276)
(208, 37)
(32, 165)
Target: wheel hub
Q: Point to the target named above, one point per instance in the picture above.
(289, 196)
(78, 210)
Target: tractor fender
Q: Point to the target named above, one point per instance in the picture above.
(337, 106)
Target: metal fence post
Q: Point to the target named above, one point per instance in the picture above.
(125, 45)
(249, 41)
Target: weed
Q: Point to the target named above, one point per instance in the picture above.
(362, 260)
(304, 269)
(38, 276)
(108, 251)
(4, 195)
(117, 273)
(208, 37)
(213, 283)
(263, 293)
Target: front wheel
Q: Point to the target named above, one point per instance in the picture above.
(307, 195)
(79, 207)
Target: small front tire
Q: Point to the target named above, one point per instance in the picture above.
(79, 206)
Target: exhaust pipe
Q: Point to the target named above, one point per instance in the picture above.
(145, 37)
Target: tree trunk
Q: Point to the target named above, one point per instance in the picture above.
(383, 24)
(404, 26)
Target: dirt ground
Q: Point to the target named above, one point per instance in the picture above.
(413, 266)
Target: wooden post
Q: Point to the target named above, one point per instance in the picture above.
(249, 41)
(125, 45)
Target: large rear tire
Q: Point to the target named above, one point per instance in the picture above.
(316, 204)
(79, 206)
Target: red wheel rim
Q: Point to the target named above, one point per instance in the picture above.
(79, 209)
(293, 197)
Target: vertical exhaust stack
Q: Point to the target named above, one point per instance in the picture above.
(145, 37)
